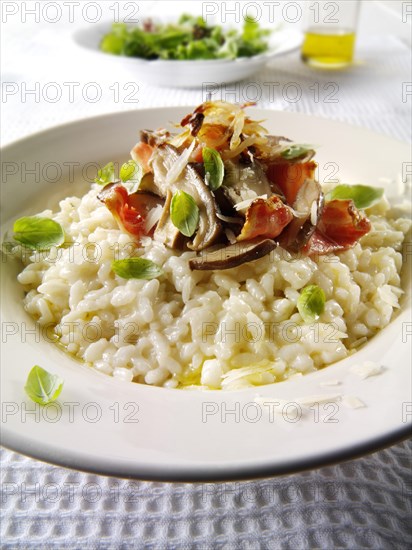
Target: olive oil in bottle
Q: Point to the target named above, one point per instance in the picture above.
(328, 48)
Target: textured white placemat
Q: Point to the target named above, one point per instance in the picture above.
(365, 503)
(376, 92)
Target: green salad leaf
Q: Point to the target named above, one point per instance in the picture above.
(184, 213)
(189, 38)
(106, 174)
(295, 152)
(38, 233)
(311, 303)
(214, 168)
(229, 48)
(136, 268)
(43, 387)
(131, 174)
(362, 195)
(114, 42)
(253, 39)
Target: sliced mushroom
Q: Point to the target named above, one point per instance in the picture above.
(308, 207)
(154, 137)
(147, 184)
(241, 183)
(271, 147)
(276, 145)
(165, 231)
(209, 229)
(233, 255)
(276, 140)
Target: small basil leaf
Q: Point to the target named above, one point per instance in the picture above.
(106, 174)
(136, 268)
(38, 233)
(43, 387)
(295, 152)
(184, 213)
(214, 168)
(362, 195)
(131, 173)
(311, 303)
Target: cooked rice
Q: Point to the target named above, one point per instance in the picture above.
(223, 329)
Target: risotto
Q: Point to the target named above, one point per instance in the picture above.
(228, 327)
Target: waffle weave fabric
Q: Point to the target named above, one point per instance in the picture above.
(363, 503)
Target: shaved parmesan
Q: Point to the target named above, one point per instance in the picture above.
(352, 402)
(366, 369)
(245, 204)
(153, 217)
(180, 165)
(314, 213)
(231, 237)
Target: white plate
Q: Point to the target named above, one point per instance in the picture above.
(187, 435)
(188, 74)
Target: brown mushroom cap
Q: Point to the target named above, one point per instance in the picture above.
(209, 229)
(233, 255)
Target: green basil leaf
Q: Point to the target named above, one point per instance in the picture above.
(43, 387)
(362, 195)
(184, 213)
(311, 303)
(38, 233)
(131, 173)
(136, 268)
(295, 152)
(214, 168)
(106, 174)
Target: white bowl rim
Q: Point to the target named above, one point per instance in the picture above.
(14, 442)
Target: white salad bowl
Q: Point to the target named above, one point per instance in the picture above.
(190, 73)
(100, 424)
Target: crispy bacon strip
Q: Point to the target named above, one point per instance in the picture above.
(142, 152)
(319, 245)
(129, 211)
(343, 223)
(290, 176)
(340, 227)
(197, 155)
(265, 218)
(194, 121)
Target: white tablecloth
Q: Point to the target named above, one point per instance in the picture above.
(364, 503)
